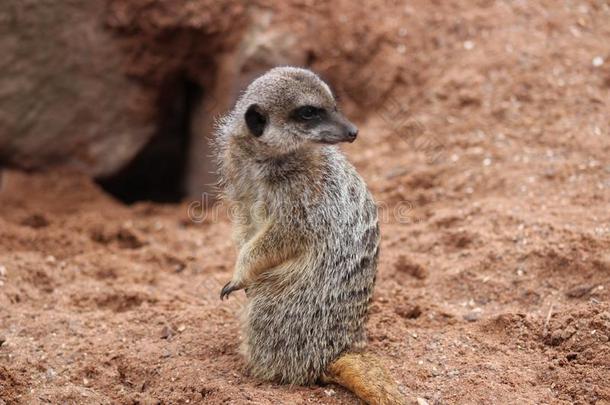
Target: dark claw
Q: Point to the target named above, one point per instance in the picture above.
(226, 290)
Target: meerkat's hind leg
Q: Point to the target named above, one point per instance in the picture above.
(365, 375)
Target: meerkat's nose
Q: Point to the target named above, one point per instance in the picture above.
(352, 131)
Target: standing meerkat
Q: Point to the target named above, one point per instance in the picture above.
(308, 236)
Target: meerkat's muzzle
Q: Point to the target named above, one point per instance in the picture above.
(338, 129)
(349, 130)
(352, 133)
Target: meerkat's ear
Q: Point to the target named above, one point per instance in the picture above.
(256, 120)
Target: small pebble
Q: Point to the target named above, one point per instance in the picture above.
(597, 61)
(51, 374)
(421, 401)
(2, 271)
(167, 332)
(473, 316)
(580, 291)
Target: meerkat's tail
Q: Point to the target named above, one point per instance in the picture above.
(365, 375)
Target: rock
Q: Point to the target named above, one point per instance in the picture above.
(421, 401)
(580, 291)
(473, 315)
(64, 96)
(167, 332)
(50, 374)
(89, 84)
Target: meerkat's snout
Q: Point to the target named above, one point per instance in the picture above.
(349, 131)
(335, 128)
(352, 132)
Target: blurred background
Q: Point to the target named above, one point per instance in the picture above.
(484, 137)
(127, 91)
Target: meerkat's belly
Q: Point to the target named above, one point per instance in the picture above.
(293, 334)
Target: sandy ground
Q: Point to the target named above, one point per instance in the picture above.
(490, 159)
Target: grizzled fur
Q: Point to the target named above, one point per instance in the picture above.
(305, 224)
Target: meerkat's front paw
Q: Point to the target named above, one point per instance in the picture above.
(229, 288)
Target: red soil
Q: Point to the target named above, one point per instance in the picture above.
(484, 137)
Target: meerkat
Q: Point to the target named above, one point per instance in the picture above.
(307, 232)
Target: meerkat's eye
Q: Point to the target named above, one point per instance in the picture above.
(308, 112)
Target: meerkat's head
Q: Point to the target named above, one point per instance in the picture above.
(288, 108)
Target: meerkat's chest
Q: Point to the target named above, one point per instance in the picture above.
(250, 213)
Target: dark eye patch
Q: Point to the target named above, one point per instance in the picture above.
(308, 113)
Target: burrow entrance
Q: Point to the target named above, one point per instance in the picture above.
(157, 173)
